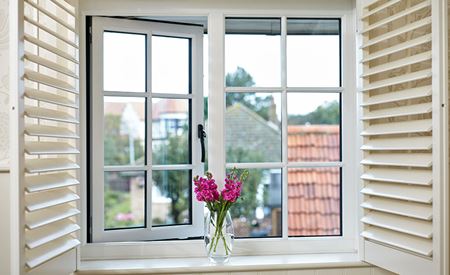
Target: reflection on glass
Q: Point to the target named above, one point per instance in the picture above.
(313, 127)
(258, 212)
(171, 197)
(313, 53)
(252, 52)
(124, 130)
(170, 65)
(253, 127)
(124, 58)
(314, 205)
(124, 199)
(170, 131)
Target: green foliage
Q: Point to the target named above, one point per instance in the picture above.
(328, 113)
(118, 203)
(240, 78)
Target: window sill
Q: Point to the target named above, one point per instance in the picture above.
(237, 263)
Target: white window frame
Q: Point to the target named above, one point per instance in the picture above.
(348, 242)
(195, 34)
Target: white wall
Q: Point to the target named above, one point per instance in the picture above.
(4, 83)
(4, 225)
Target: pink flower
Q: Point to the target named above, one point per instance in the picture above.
(232, 189)
(206, 188)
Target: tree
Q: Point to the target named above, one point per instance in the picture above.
(328, 113)
(240, 78)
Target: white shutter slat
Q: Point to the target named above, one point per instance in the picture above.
(409, 226)
(398, 31)
(379, 8)
(397, 16)
(69, 11)
(50, 64)
(408, 242)
(47, 148)
(426, 73)
(49, 165)
(49, 131)
(50, 48)
(403, 127)
(399, 159)
(50, 81)
(395, 144)
(42, 255)
(49, 114)
(408, 110)
(402, 208)
(397, 48)
(36, 201)
(50, 31)
(50, 215)
(49, 181)
(421, 57)
(51, 15)
(50, 98)
(46, 234)
(410, 193)
(406, 176)
(407, 94)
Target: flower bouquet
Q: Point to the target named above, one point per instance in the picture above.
(219, 233)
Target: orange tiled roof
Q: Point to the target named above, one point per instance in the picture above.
(314, 193)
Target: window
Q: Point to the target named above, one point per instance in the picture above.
(283, 123)
(146, 104)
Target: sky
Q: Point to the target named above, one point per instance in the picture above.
(312, 61)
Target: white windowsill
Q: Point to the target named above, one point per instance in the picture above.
(237, 263)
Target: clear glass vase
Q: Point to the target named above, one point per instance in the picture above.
(219, 236)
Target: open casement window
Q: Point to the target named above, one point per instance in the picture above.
(45, 132)
(146, 103)
(402, 100)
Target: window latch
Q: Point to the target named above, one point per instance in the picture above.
(201, 135)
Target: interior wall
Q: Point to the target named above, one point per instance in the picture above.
(4, 83)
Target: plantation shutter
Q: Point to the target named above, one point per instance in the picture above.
(401, 114)
(46, 176)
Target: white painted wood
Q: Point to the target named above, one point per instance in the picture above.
(332, 271)
(396, 144)
(49, 148)
(403, 208)
(49, 131)
(50, 64)
(46, 253)
(44, 235)
(415, 244)
(394, 191)
(358, 271)
(419, 177)
(426, 73)
(399, 159)
(50, 81)
(415, 227)
(35, 202)
(55, 18)
(408, 110)
(403, 127)
(397, 31)
(397, 48)
(386, 5)
(410, 60)
(50, 98)
(50, 215)
(401, 95)
(49, 114)
(50, 48)
(49, 165)
(64, 7)
(49, 181)
(51, 31)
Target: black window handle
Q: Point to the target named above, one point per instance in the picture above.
(201, 135)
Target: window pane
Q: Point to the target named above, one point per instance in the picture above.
(124, 130)
(124, 199)
(124, 58)
(170, 65)
(313, 127)
(313, 53)
(171, 197)
(252, 52)
(258, 213)
(253, 127)
(170, 131)
(314, 205)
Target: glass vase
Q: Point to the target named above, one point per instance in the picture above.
(219, 236)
